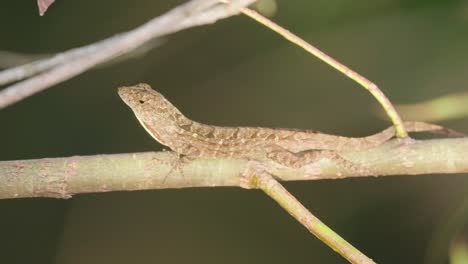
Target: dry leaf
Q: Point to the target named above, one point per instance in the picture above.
(43, 5)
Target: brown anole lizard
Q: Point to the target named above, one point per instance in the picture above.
(288, 147)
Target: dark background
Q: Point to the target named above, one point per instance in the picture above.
(235, 72)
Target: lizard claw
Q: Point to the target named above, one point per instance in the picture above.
(176, 164)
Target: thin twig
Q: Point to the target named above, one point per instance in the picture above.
(285, 199)
(32, 68)
(367, 84)
(193, 13)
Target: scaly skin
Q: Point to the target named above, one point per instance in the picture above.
(290, 147)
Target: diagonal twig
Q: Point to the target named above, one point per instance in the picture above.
(54, 70)
(271, 187)
(353, 75)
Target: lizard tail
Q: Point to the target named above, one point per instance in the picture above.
(416, 126)
(379, 138)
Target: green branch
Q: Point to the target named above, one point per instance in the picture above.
(64, 177)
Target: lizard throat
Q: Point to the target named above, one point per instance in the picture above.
(150, 131)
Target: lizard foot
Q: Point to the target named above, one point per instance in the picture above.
(176, 164)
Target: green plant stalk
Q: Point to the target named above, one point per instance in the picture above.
(367, 84)
(277, 192)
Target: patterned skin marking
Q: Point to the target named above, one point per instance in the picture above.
(289, 147)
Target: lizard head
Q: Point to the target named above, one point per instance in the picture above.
(141, 97)
(155, 113)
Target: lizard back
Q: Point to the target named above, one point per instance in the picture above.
(166, 124)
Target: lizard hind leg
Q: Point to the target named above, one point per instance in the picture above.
(300, 159)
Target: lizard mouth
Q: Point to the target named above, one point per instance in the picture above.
(124, 94)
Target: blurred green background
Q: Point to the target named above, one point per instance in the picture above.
(234, 73)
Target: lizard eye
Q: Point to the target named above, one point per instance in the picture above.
(141, 101)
